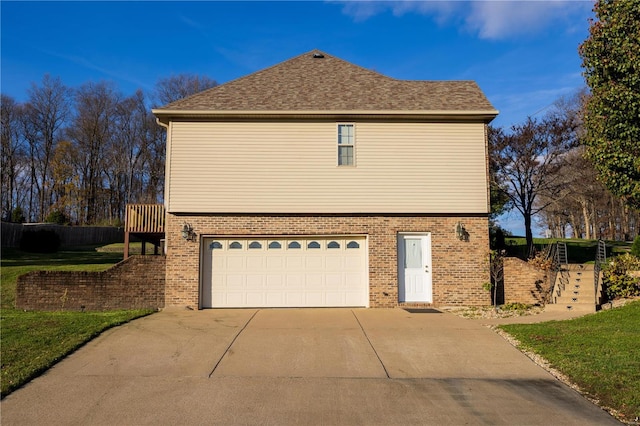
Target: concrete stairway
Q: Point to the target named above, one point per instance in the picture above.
(574, 289)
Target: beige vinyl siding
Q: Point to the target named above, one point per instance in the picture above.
(291, 167)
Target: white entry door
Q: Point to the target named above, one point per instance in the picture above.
(414, 268)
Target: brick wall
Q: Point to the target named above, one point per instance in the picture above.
(459, 268)
(135, 283)
(524, 283)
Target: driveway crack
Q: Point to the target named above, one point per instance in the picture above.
(232, 342)
(371, 344)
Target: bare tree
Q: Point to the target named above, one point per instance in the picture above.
(527, 160)
(128, 154)
(180, 86)
(87, 151)
(583, 203)
(154, 161)
(66, 168)
(579, 198)
(92, 132)
(12, 153)
(45, 113)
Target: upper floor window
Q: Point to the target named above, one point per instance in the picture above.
(346, 144)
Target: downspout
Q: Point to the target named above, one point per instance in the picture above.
(166, 182)
(160, 123)
(166, 162)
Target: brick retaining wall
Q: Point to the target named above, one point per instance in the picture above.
(135, 283)
(524, 283)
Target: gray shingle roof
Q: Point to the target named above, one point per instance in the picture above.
(308, 83)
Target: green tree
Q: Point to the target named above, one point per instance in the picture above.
(611, 62)
(635, 248)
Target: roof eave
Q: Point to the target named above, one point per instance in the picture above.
(165, 115)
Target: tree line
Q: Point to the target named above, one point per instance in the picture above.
(577, 169)
(79, 155)
(540, 168)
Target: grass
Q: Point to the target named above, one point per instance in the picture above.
(600, 353)
(134, 248)
(34, 341)
(578, 250)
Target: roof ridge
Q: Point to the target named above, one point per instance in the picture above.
(264, 70)
(319, 81)
(359, 66)
(242, 77)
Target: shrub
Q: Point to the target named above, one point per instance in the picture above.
(42, 241)
(17, 216)
(635, 248)
(541, 260)
(515, 306)
(617, 280)
(57, 217)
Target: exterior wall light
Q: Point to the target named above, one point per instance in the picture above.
(187, 232)
(461, 232)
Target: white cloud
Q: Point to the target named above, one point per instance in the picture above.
(191, 23)
(493, 19)
(501, 19)
(362, 10)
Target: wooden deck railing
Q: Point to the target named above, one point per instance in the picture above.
(146, 222)
(145, 218)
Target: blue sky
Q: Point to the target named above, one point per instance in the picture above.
(523, 54)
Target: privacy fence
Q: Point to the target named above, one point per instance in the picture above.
(70, 236)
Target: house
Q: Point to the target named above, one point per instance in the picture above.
(316, 182)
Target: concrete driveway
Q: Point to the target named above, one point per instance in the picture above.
(299, 366)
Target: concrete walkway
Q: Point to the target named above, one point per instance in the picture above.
(299, 366)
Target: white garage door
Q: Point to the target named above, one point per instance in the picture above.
(284, 272)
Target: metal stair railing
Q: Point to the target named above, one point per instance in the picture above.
(551, 254)
(558, 252)
(562, 253)
(601, 259)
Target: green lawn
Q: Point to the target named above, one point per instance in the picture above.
(34, 341)
(578, 250)
(134, 248)
(600, 353)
